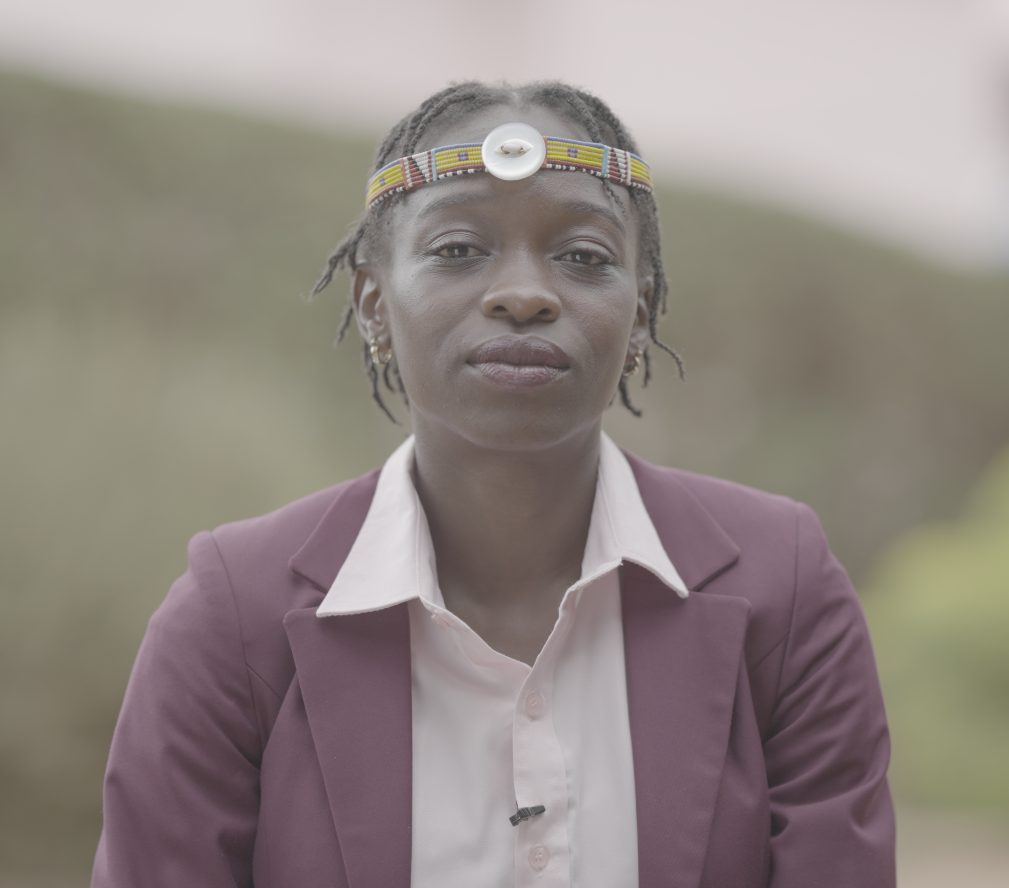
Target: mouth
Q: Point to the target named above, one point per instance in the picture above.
(520, 360)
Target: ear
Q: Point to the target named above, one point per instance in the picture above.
(640, 335)
(369, 306)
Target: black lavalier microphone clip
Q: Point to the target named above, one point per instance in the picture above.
(525, 814)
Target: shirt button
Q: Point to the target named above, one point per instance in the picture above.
(538, 857)
(534, 704)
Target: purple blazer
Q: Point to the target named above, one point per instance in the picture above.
(260, 745)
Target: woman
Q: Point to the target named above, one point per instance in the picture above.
(517, 654)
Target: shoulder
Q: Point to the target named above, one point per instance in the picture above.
(772, 548)
(755, 519)
(733, 505)
(261, 553)
(696, 513)
(778, 537)
(247, 571)
(263, 544)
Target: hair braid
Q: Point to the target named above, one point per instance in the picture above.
(463, 97)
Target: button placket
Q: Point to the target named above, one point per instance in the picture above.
(542, 852)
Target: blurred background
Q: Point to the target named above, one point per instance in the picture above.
(835, 206)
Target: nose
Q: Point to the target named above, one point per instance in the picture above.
(520, 294)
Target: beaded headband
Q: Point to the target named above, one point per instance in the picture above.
(511, 151)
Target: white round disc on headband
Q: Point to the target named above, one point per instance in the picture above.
(513, 151)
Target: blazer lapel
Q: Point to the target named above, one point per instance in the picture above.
(682, 662)
(354, 675)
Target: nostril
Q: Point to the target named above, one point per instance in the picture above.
(520, 306)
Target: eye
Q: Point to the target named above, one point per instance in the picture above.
(456, 251)
(583, 256)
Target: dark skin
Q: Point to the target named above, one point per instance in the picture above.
(507, 473)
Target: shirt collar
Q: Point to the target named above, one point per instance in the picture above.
(392, 559)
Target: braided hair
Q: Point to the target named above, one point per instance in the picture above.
(452, 104)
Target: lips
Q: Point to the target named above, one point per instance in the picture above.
(521, 351)
(520, 360)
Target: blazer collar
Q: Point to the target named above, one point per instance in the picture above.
(693, 540)
(321, 555)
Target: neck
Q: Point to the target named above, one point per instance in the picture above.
(506, 525)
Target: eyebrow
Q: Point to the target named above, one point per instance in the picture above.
(586, 208)
(575, 207)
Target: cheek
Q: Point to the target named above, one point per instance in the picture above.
(422, 330)
(608, 328)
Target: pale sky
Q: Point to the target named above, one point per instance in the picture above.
(889, 116)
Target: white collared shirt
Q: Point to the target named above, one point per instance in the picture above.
(491, 733)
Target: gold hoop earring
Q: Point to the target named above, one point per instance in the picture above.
(630, 369)
(378, 356)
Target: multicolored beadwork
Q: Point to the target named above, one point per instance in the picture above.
(407, 173)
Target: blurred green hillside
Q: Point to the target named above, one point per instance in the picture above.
(939, 614)
(161, 373)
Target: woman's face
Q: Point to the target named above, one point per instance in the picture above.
(510, 306)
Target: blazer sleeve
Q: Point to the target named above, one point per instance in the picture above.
(828, 747)
(180, 797)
